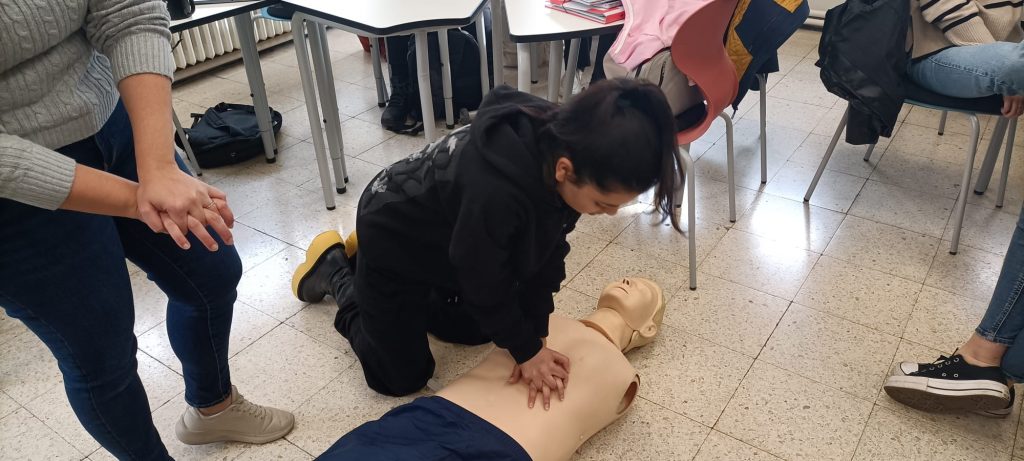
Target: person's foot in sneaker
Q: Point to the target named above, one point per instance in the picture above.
(241, 421)
(396, 114)
(1001, 412)
(948, 384)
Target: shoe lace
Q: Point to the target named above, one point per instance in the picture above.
(251, 409)
(943, 361)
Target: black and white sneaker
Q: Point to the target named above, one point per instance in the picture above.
(1002, 412)
(948, 384)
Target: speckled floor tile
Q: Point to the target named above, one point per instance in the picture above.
(874, 299)
(676, 374)
(970, 272)
(719, 446)
(943, 320)
(727, 314)
(884, 248)
(915, 211)
(792, 417)
(830, 350)
(890, 436)
(790, 222)
(647, 431)
(760, 263)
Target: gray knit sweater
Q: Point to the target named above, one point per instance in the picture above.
(60, 62)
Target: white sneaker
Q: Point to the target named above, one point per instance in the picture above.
(243, 421)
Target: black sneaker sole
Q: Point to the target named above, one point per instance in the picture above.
(941, 395)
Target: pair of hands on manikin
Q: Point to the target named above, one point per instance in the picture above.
(544, 373)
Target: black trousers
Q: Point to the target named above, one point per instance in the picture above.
(386, 317)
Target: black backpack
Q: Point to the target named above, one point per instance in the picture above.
(464, 54)
(227, 134)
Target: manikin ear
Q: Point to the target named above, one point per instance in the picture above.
(564, 170)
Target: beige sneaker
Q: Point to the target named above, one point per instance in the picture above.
(243, 421)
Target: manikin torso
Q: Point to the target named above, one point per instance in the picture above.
(601, 387)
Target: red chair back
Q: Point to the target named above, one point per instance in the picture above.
(698, 50)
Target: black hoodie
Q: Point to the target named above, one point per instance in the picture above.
(475, 212)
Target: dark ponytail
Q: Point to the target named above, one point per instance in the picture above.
(619, 135)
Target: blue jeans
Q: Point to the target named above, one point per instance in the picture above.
(1004, 318)
(63, 275)
(973, 71)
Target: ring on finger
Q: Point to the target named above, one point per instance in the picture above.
(210, 205)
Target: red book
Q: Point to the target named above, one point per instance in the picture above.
(596, 14)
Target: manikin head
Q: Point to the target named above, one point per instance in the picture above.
(629, 312)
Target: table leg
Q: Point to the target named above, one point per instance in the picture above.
(481, 33)
(258, 91)
(378, 73)
(498, 41)
(446, 78)
(329, 103)
(423, 77)
(570, 69)
(523, 66)
(312, 107)
(554, 70)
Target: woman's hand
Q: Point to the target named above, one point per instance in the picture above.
(171, 201)
(545, 372)
(1013, 106)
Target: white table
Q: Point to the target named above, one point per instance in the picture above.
(378, 18)
(529, 21)
(205, 14)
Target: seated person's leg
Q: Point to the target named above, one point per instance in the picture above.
(975, 378)
(399, 103)
(973, 71)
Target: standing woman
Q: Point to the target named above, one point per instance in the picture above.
(88, 177)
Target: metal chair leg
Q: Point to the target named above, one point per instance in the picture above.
(691, 209)
(1010, 135)
(730, 161)
(762, 80)
(965, 184)
(942, 123)
(988, 164)
(867, 155)
(828, 155)
(191, 156)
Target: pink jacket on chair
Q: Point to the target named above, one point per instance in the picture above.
(649, 28)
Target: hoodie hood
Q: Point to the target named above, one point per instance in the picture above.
(505, 133)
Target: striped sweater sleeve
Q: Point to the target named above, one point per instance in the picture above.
(959, 20)
(32, 174)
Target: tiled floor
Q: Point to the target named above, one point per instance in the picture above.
(780, 353)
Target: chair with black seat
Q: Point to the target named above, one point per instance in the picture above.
(971, 107)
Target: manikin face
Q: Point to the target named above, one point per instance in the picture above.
(641, 304)
(586, 198)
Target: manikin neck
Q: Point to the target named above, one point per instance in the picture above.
(611, 325)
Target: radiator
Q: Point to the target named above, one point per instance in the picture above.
(207, 42)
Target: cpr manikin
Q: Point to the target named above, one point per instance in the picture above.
(602, 384)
